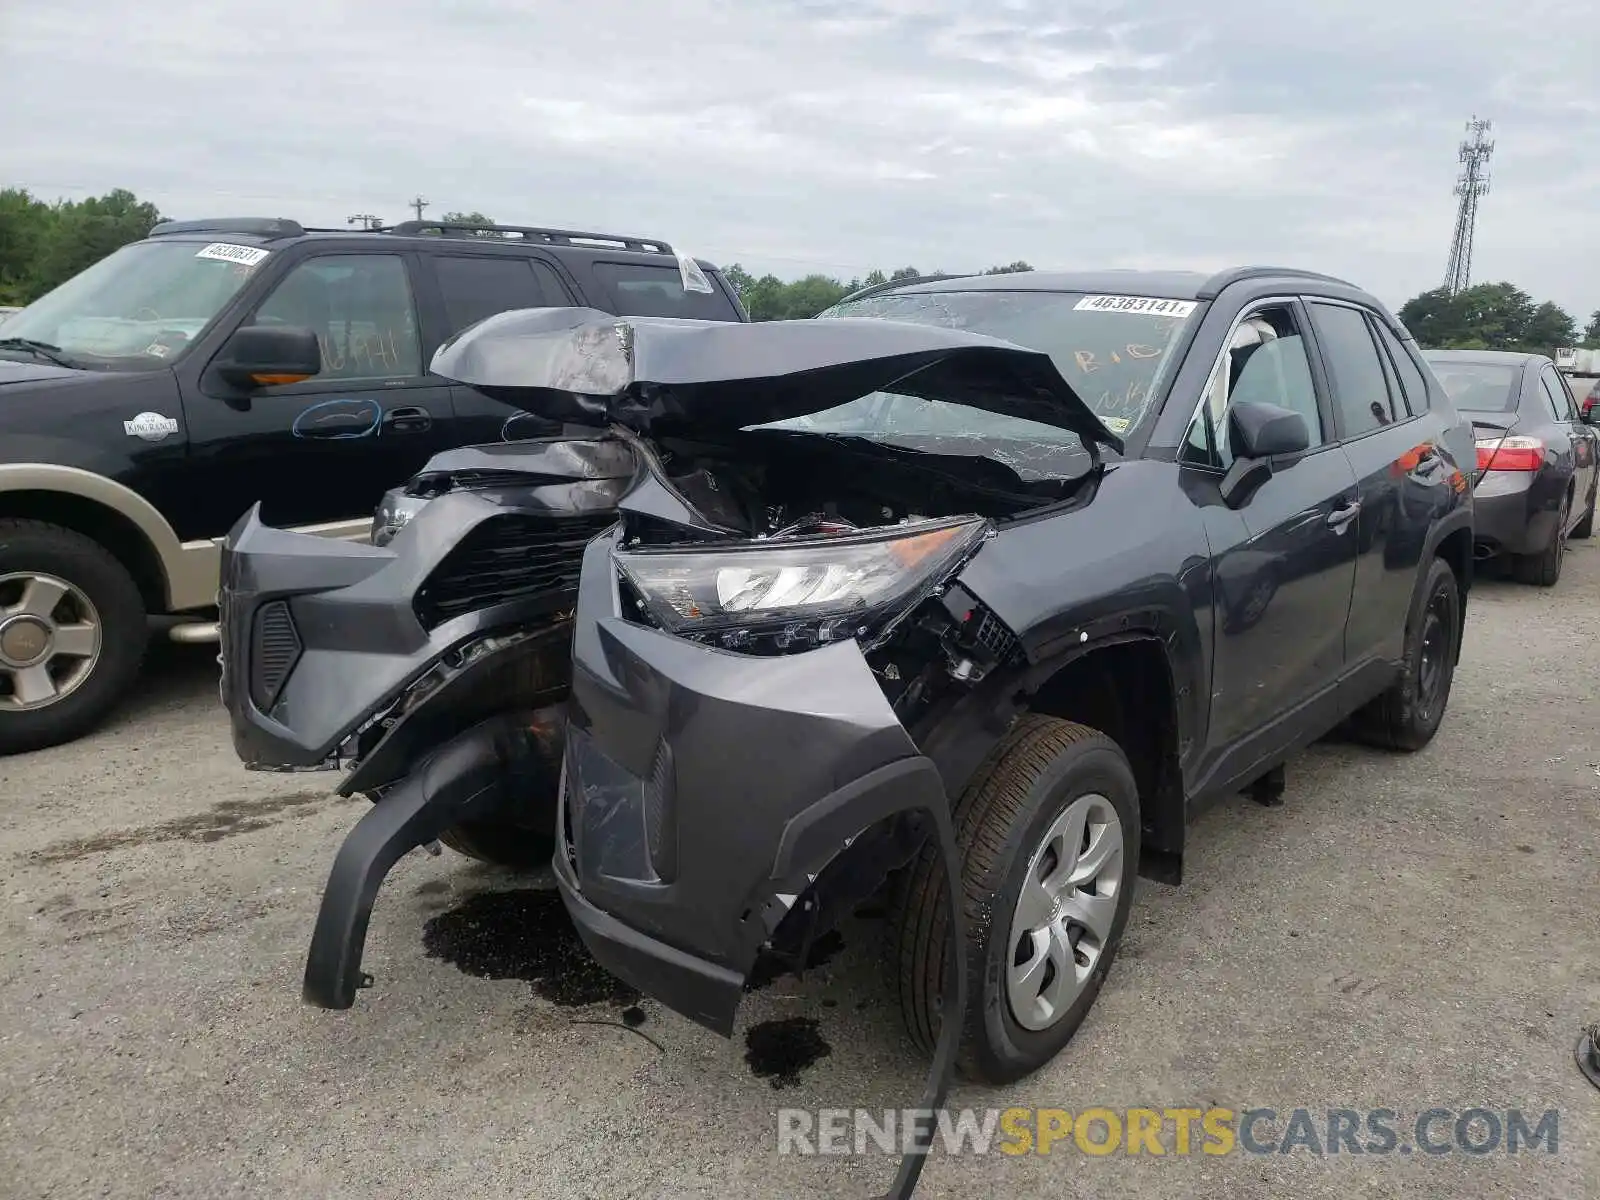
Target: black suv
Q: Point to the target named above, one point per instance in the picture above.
(889, 581)
(152, 399)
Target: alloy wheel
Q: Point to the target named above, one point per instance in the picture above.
(50, 640)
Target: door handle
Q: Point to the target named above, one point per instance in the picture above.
(408, 420)
(1343, 516)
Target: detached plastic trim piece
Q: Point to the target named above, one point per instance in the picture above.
(1588, 1053)
(952, 1018)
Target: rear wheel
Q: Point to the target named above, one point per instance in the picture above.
(1544, 568)
(1049, 845)
(72, 634)
(1408, 715)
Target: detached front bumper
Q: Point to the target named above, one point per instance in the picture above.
(703, 792)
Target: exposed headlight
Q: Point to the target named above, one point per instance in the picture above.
(811, 589)
(394, 510)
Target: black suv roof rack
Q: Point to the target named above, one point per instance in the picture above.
(532, 233)
(283, 227)
(255, 226)
(1222, 279)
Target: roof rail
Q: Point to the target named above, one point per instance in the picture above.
(531, 233)
(889, 284)
(269, 227)
(1212, 287)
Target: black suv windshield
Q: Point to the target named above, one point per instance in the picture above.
(1111, 349)
(138, 307)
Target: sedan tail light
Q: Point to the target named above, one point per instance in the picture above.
(1510, 454)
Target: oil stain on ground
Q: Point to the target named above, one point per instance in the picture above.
(780, 1050)
(227, 819)
(524, 934)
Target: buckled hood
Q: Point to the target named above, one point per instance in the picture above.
(668, 375)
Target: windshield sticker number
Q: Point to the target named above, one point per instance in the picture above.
(1145, 306)
(248, 256)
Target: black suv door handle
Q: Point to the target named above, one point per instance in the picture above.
(408, 420)
(1343, 516)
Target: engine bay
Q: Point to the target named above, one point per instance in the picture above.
(772, 483)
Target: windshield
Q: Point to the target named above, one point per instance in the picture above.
(1478, 387)
(1111, 349)
(139, 306)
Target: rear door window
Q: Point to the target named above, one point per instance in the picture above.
(1412, 385)
(1360, 386)
(1556, 395)
(647, 290)
(475, 287)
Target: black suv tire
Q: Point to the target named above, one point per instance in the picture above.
(1039, 771)
(90, 570)
(501, 844)
(1408, 715)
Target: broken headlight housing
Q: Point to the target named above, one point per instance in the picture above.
(794, 593)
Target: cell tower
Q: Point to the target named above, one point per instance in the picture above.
(1473, 182)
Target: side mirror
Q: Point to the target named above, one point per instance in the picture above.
(1591, 412)
(1260, 432)
(1266, 430)
(259, 356)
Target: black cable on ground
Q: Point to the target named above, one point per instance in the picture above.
(952, 1016)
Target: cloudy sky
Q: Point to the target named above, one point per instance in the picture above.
(841, 135)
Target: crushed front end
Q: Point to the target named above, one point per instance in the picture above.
(433, 667)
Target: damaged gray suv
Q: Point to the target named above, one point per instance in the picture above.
(982, 587)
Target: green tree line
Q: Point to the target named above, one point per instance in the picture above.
(44, 243)
(1494, 316)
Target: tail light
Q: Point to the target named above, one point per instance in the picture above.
(1510, 454)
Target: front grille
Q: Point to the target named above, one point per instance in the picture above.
(505, 559)
(274, 649)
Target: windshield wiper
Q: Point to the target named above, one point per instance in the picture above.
(38, 349)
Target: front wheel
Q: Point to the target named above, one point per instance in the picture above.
(72, 634)
(501, 843)
(1049, 845)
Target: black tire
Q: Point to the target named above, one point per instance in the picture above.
(1585, 528)
(35, 546)
(1544, 569)
(1038, 769)
(1408, 715)
(502, 844)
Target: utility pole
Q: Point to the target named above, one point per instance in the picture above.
(1472, 183)
(419, 204)
(366, 220)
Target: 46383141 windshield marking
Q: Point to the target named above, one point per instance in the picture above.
(1144, 306)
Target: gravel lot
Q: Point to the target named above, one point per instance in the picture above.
(1407, 932)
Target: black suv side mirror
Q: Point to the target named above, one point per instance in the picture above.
(266, 355)
(1260, 433)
